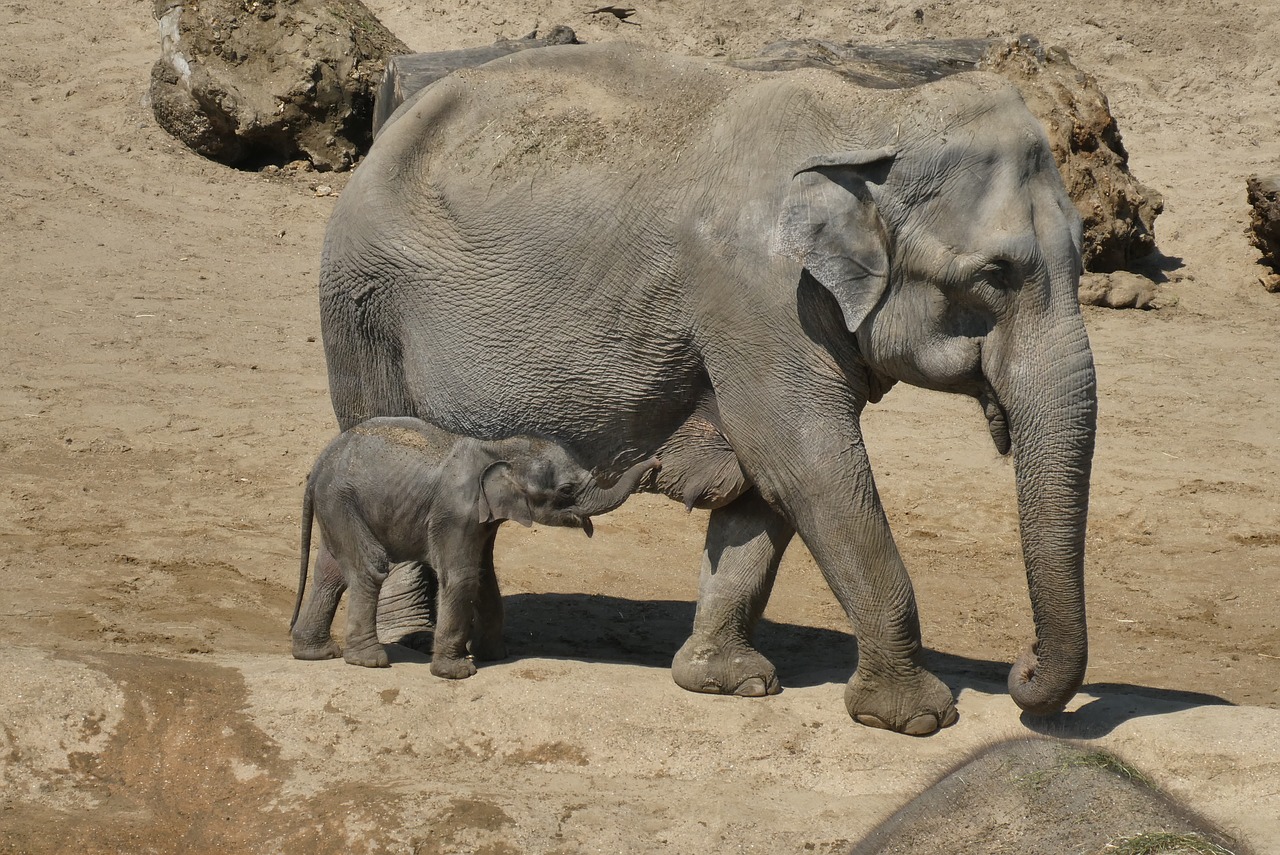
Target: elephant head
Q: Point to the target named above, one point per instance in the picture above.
(539, 481)
(955, 259)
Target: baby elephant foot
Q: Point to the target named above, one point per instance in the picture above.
(452, 669)
(709, 666)
(916, 703)
(369, 656)
(315, 650)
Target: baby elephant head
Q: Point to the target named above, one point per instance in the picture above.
(542, 483)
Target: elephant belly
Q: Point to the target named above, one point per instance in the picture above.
(611, 402)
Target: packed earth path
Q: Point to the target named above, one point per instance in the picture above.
(164, 394)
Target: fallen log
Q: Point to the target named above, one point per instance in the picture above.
(407, 74)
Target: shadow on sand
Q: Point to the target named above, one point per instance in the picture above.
(647, 633)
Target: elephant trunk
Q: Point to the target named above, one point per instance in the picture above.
(1048, 395)
(594, 499)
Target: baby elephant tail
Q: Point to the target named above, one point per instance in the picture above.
(308, 502)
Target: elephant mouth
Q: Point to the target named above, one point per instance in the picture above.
(997, 419)
(588, 527)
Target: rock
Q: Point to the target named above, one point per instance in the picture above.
(1119, 213)
(1118, 290)
(408, 74)
(1264, 222)
(256, 82)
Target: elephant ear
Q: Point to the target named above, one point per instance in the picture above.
(502, 496)
(829, 223)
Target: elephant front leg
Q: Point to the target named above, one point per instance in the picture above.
(848, 534)
(821, 476)
(311, 633)
(745, 542)
(457, 602)
(487, 621)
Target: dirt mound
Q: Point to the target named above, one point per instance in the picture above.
(1039, 797)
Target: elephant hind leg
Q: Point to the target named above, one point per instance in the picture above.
(311, 632)
(745, 542)
(365, 381)
(406, 606)
(365, 562)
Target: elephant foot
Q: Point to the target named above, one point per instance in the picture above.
(706, 665)
(452, 669)
(369, 656)
(315, 650)
(916, 704)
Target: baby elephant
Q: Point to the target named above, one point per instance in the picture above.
(400, 489)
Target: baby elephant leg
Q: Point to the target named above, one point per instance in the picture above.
(457, 598)
(311, 632)
(365, 564)
(486, 622)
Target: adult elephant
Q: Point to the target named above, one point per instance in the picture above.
(639, 254)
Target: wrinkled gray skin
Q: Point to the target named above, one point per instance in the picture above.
(645, 255)
(398, 489)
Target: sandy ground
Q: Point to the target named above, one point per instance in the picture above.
(164, 393)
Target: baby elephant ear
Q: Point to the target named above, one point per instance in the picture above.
(502, 497)
(829, 223)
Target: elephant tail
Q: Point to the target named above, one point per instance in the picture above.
(308, 504)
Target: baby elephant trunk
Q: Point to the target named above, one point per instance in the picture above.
(594, 499)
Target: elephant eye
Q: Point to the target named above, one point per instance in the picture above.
(565, 494)
(1000, 273)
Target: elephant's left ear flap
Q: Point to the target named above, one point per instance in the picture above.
(502, 497)
(829, 223)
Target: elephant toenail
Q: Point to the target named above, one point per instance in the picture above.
(753, 687)
(921, 725)
(871, 721)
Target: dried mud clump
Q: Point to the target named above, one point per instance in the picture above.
(1118, 290)
(1264, 223)
(256, 82)
(1119, 213)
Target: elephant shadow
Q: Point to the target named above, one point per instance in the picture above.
(1111, 705)
(647, 633)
